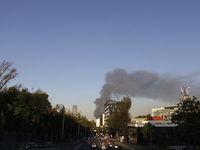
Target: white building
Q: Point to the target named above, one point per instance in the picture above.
(98, 122)
(155, 123)
(74, 110)
(165, 112)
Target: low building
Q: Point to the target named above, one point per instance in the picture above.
(155, 118)
(138, 119)
(155, 123)
(164, 128)
(165, 112)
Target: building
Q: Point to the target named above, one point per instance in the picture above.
(74, 110)
(138, 119)
(102, 120)
(98, 122)
(164, 128)
(109, 108)
(165, 112)
(155, 123)
(83, 117)
(155, 118)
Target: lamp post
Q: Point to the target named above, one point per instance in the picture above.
(63, 110)
(85, 131)
(78, 129)
(63, 125)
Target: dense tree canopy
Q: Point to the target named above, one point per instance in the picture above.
(121, 116)
(148, 132)
(143, 116)
(187, 118)
(24, 112)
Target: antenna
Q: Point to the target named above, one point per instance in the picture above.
(181, 90)
(185, 92)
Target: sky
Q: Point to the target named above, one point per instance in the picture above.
(73, 49)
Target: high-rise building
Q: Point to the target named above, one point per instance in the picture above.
(102, 123)
(74, 110)
(109, 108)
(98, 122)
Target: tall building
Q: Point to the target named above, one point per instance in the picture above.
(74, 110)
(98, 122)
(102, 120)
(109, 108)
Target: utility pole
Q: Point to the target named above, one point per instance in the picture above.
(150, 137)
(85, 131)
(63, 125)
(78, 129)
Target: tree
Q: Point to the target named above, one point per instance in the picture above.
(6, 73)
(149, 133)
(121, 116)
(143, 116)
(187, 118)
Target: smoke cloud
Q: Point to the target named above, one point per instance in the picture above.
(144, 84)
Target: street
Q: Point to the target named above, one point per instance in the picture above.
(99, 142)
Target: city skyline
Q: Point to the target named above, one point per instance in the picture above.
(74, 51)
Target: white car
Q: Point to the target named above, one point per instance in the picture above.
(94, 145)
(116, 146)
(103, 147)
(110, 145)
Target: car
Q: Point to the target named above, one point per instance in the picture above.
(116, 146)
(103, 147)
(110, 145)
(84, 148)
(30, 145)
(94, 145)
(115, 142)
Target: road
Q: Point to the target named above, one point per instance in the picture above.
(99, 142)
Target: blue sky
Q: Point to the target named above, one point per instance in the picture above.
(65, 48)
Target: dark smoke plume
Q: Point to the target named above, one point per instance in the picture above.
(144, 84)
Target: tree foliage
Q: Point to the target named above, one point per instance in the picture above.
(148, 132)
(187, 118)
(24, 112)
(6, 73)
(143, 116)
(121, 116)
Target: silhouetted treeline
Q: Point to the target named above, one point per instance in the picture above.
(23, 112)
